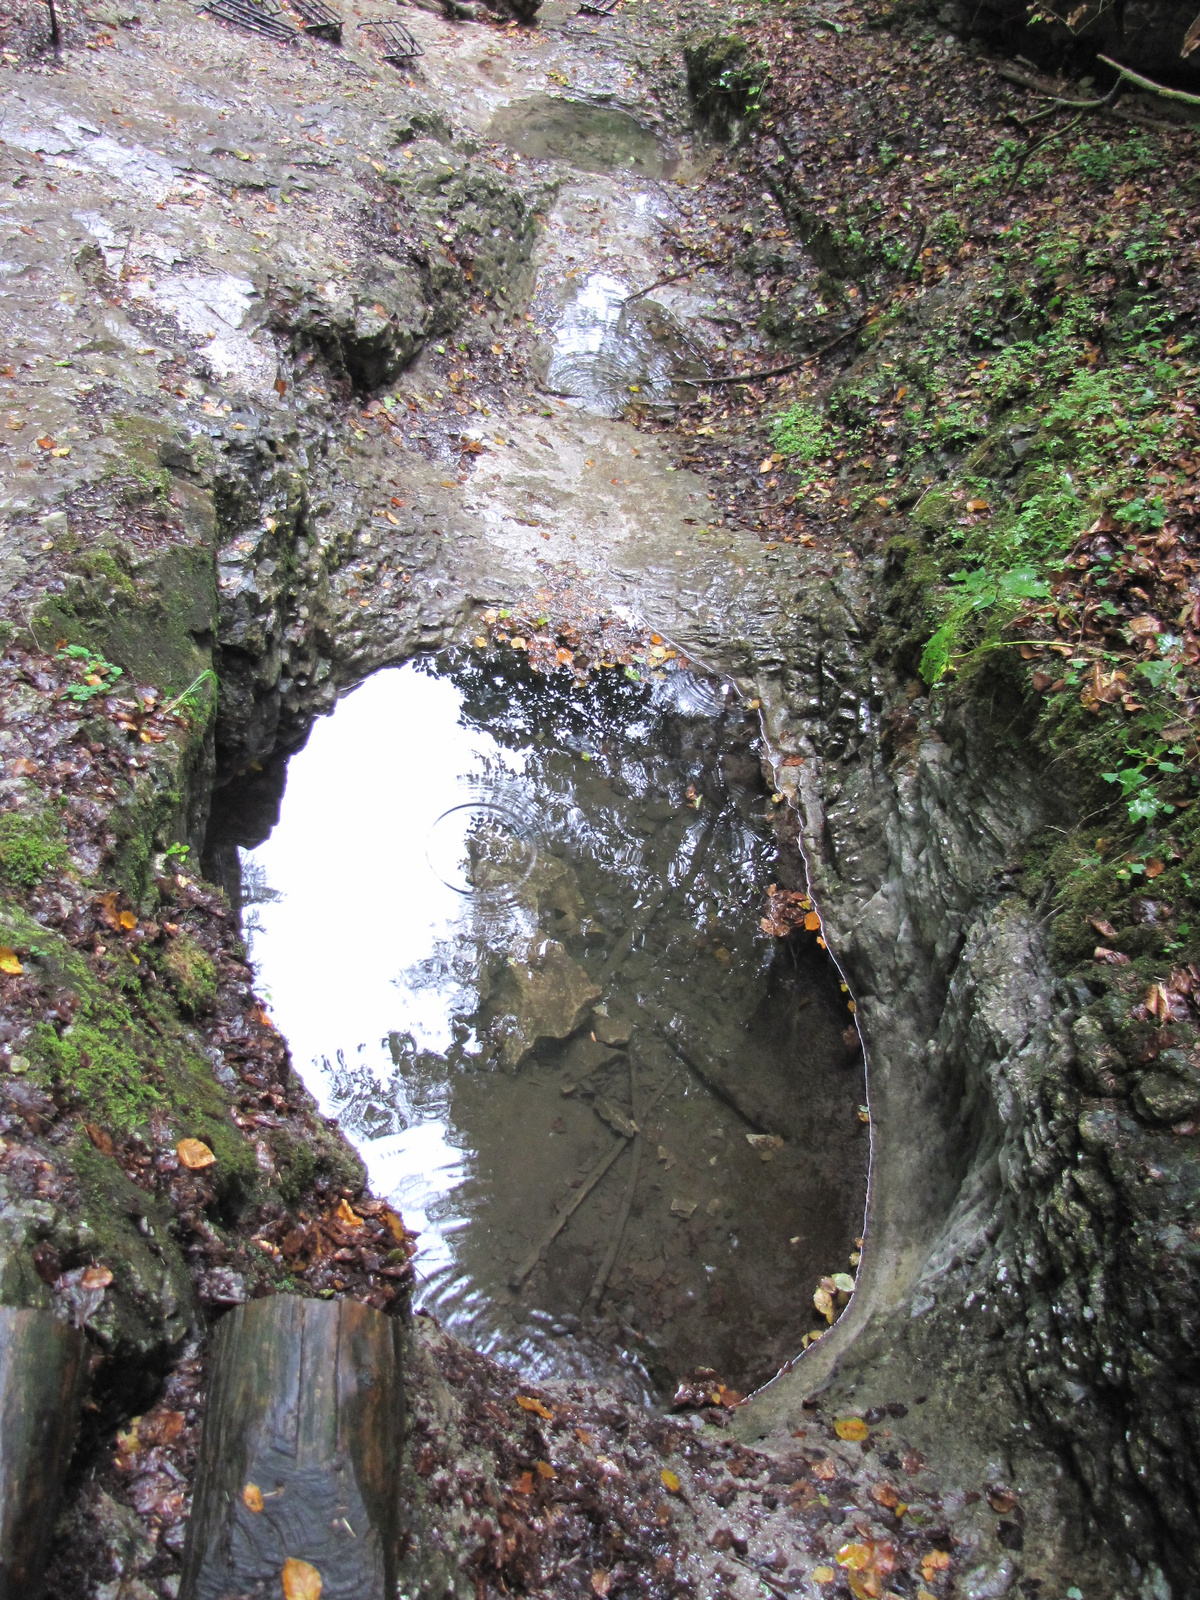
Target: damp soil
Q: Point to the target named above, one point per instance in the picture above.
(463, 819)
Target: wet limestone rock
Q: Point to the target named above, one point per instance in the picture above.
(542, 994)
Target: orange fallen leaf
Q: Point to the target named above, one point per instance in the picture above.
(528, 1403)
(1153, 868)
(194, 1154)
(886, 1495)
(855, 1556)
(96, 1278)
(252, 1497)
(670, 1481)
(852, 1428)
(46, 443)
(825, 1469)
(9, 962)
(524, 1484)
(936, 1561)
(823, 1575)
(102, 1140)
(544, 1469)
(127, 920)
(812, 922)
(23, 767)
(347, 1216)
(300, 1580)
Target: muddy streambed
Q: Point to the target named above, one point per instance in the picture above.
(502, 917)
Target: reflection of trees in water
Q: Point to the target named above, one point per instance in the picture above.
(255, 891)
(373, 1104)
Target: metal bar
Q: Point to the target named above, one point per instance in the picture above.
(393, 39)
(255, 17)
(319, 18)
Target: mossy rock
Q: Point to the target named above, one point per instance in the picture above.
(190, 975)
(725, 81)
(30, 848)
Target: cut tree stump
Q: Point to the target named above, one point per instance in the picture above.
(41, 1380)
(300, 1460)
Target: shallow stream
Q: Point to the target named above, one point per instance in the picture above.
(502, 917)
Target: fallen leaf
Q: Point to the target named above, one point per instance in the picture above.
(528, 1403)
(347, 1216)
(127, 920)
(825, 1469)
(601, 1581)
(252, 1497)
(855, 1556)
(300, 1580)
(670, 1481)
(9, 962)
(98, 1136)
(194, 1154)
(1104, 929)
(544, 1469)
(852, 1428)
(1114, 958)
(823, 1575)
(812, 922)
(23, 767)
(886, 1495)
(1000, 1499)
(1153, 869)
(524, 1484)
(683, 1208)
(96, 1278)
(936, 1561)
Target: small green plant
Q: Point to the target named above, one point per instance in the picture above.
(99, 676)
(176, 853)
(974, 592)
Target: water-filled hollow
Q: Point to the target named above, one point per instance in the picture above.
(500, 917)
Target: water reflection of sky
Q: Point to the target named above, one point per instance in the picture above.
(362, 911)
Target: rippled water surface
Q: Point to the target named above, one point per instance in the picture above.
(502, 917)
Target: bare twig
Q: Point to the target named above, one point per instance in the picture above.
(1060, 101)
(673, 277)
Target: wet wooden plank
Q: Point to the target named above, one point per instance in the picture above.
(300, 1459)
(41, 1380)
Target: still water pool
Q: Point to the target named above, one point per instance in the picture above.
(510, 926)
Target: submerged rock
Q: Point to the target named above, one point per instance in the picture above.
(542, 994)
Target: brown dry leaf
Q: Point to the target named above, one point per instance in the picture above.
(601, 1581)
(127, 920)
(300, 1580)
(825, 1469)
(101, 1139)
(852, 1428)
(812, 922)
(1104, 929)
(194, 1154)
(1143, 627)
(1000, 1499)
(280, 385)
(544, 1469)
(96, 1278)
(1191, 38)
(252, 1498)
(1154, 869)
(936, 1561)
(23, 767)
(823, 1574)
(524, 1484)
(347, 1216)
(886, 1495)
(161, 1427)
(528, 1403)
(670, 1480)
(9, 962)
(1113, 958)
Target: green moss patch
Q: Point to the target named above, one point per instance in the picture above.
(31, 847)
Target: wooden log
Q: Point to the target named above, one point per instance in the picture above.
(41, 1381)
(300, 1461)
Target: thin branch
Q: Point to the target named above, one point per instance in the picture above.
(1011, 75)
(1149, 83)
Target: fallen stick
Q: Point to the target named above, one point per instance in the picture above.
(1011, 75)
(589, 1183)
(600, 1284)
(1149, 83)
(718, 1086)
